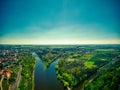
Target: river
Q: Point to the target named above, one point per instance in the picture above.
(45, 78)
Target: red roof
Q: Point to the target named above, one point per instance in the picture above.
(1, 72)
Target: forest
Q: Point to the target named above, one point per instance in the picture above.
(82, 67)
(86, 67)
(79, 65)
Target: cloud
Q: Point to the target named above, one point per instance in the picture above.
(66, 34)
(80, 32)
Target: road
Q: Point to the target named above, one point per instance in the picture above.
(15, 85)
(1, 82)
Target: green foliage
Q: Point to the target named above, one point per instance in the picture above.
(56, 66)
(66, 84)
(28, 64)
(0, 77)
(5, 85)
(86, 57)
(82, 64)
(74, 72)
(104, 51)
(76, 65)
(102, 57)
(48, 56)
(106, 81)
(89, 64)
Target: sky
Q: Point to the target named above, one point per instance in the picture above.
(59, 22)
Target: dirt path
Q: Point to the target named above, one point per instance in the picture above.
(1, 82)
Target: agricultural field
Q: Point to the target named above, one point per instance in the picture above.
(75, 67)
(84, 63)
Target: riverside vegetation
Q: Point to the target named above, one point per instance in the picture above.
(88, 67)
(77, 65)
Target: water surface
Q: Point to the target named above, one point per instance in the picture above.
(45, 78)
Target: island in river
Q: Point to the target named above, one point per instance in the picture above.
(61, 67)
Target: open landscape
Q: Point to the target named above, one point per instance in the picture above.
(59, 67)
(59, 44)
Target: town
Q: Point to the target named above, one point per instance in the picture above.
(12, 66)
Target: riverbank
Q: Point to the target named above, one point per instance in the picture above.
(27, 75)
(73, 73)
(33, 75)
(65, 83)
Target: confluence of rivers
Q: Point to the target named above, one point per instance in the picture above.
(46, 79)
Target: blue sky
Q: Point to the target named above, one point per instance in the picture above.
(59, 22)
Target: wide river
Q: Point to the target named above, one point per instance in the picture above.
(45, 78)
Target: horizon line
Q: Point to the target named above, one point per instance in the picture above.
(65, 44)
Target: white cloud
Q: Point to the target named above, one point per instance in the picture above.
(69, 34)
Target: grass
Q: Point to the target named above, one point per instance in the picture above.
(104, 50)
(79, 57)
(28, 66)
(0, 77)
(100, 57)
(86, 57)
(89, 64)
(45, 65)
(5, 85)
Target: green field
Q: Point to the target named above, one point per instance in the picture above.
(98, 57)
(86, 57)
(89, 64)
(104, 51)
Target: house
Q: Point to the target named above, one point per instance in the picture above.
(1, 72)
(7, 74)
